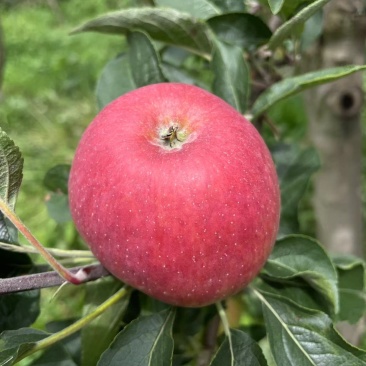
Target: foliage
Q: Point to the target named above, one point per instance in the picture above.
(301, 293)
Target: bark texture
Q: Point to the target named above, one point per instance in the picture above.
(334, 112)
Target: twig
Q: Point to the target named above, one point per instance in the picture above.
(56, 252)
(73, 328)
(75, 278)
(47, 279)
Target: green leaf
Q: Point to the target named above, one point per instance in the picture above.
(11, 174)
(178, 74)
(106, 325)
(144, 60)
(231, 81)
(243, 30)
(165, 25)
(16, 310)
(202, 9)
(11, 169)
(296, 290)
(300, 336)
(296, 84)
(58, 207)
(19, 310)
(229, 6)
(174, 56)
(57, 203)
(299, 256)
(55, 355)
(245, 351)
(288, 28)
(14, 264)
(15, 343)
(351, 284)
(275, 5)
(145, 341)
(57, 178)
(294, 168)
(116, 79)
(66, 352)
(290, 8)
(312, 30)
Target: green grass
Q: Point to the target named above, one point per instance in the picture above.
(48, 100)
(48, 91)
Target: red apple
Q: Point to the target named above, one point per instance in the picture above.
(176, 194)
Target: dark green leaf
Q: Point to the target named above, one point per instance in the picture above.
(174, 56)
(19, 310)
(58, 207)
(178, 74)
(56, 355)
(296, 290)
(243, 30)
(11, 174)
(300, 336)
(201, 9)
(231, 72)
(229, 6)
(296, 84)
(11, 169)
(106, 325)
(288, 28)
(145, 341)
(57, 178)
(290, 8)
(299, 256)
(244, 351)
(275, 5)
(190, 321)
(14, 343)
(13, 263)
(166, 25)
(116, 80)
(144, 60)
(16, 310)
(64, 353)
(351, 284)
(71, 344)
(312, 30)
(294, 168)
(290, 118)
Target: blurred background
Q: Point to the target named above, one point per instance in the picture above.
(47, 93)
(46, 100)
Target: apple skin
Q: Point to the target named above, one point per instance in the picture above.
(188, 224)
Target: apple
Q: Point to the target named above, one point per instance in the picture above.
(176, 194)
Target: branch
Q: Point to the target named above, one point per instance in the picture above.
(66, 332)
(56, 252)
(75, 278)
(47, 279)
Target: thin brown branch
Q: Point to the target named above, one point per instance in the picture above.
(47, 279)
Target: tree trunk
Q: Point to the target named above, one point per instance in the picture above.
(334, 112)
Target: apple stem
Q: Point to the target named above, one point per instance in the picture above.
(76, 278)
(226, 326)
(73, 328)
